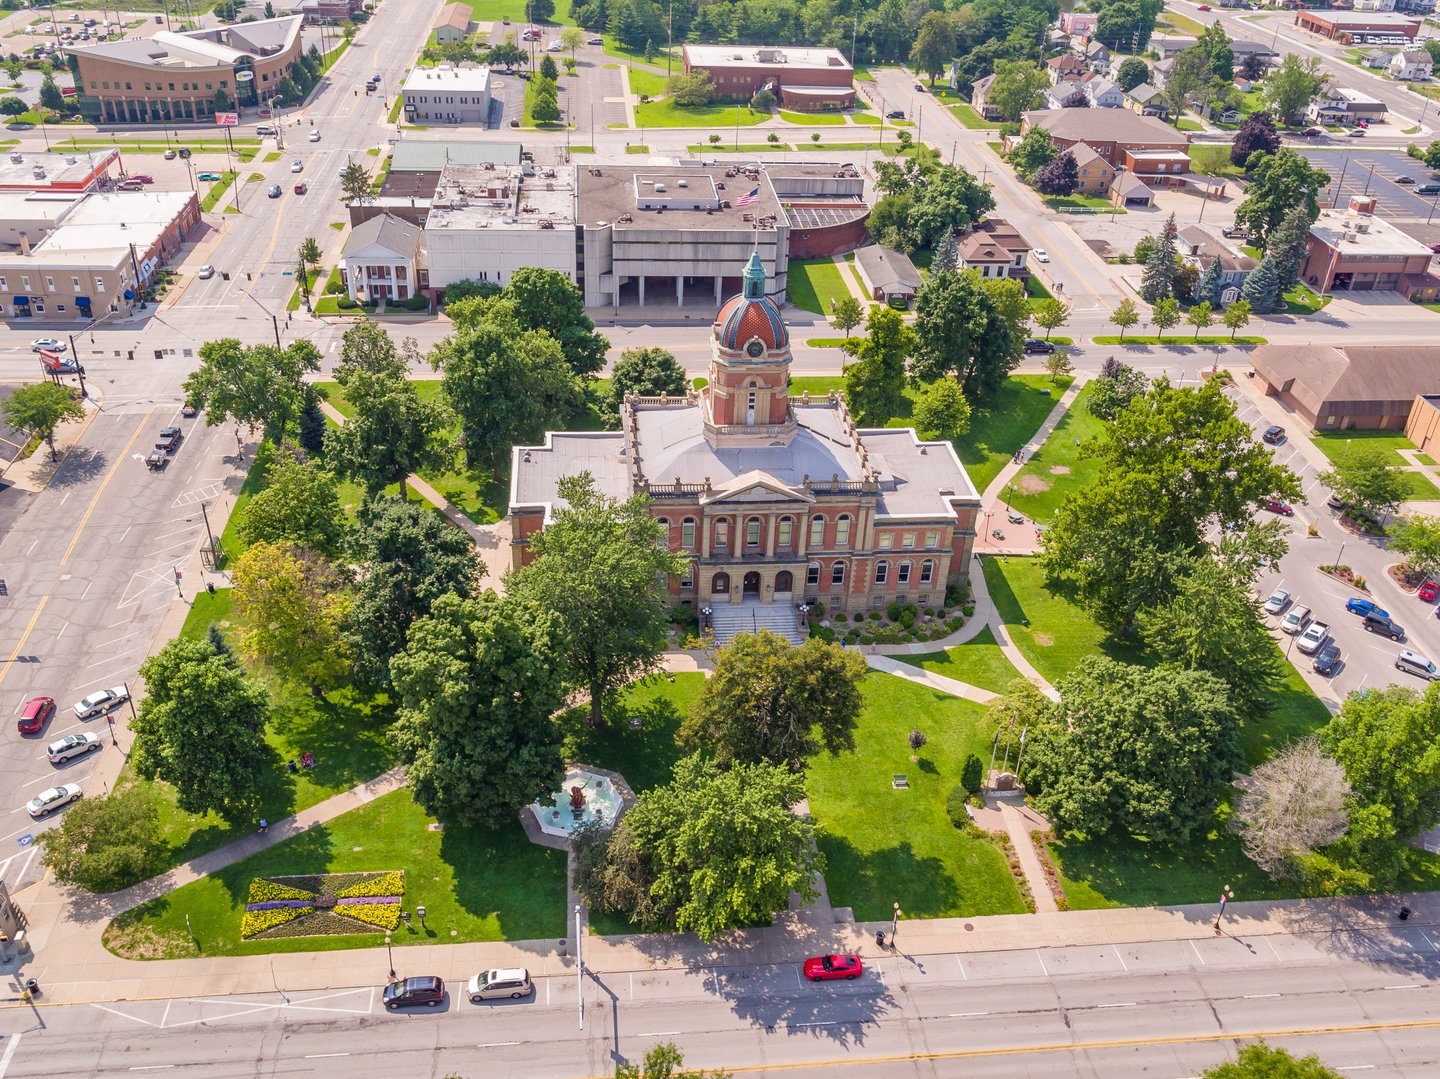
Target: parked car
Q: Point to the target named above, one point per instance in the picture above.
(596, 40)
(1414, 663)
(47, 344)
(1296, 620)
(1429, 591)
(1312, 132)
(1284, 509)
(1041, 255)
(1358, 605)
(35, 715)
(314, 136)
(101, 701)
(1356, 133)
(1381, 624)
(141, 177)
(72, 746)
(1274, 435)
(207, 176)
(301, 188)
(1234, 232)
(48, 801)
(826, 968)
(189, 411)
(895, 114)
(512, 983)
(1428, 189)
(297, 165)
(554, 46)
(169, 155)
(1404, 179)
(1327, 660)
(206, 272)
(1036, 345)
(1277, 601)
(129, 185)
(1316, 634)
(409, 992)
(65, 367)
(273, 191)
(1335, 502)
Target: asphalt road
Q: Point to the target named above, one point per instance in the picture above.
(1365, 1001)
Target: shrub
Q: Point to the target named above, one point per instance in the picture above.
(819, 611)
(892, 612)
(841, 617)
(955, 807)
(345, 303)
(824, 633)
(874, 616)
(972, 773)
(865, 638)
(908, 614)
(955, 623)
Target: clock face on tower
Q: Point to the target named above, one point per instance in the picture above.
(755, 349)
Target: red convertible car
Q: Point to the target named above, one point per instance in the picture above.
(824, 968)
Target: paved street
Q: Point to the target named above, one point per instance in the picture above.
(1366, 1000)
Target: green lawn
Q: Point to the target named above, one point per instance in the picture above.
(1054, 471)
(1182, 23)
(476, 885)
(645, 756)
(971, 119)
(497, 10)
(217, 191)
(1333, 445)
(732, 148)
(812, 119)
(297, 297)
(813, 283)
(1057, 636)
(649, 83)
(884, 846)
(978, 661)
(1001, 425)
(1080, 202)
(668, 114)
(1187, 124)
(1177, 336)
(614, 48)
(1302, 300)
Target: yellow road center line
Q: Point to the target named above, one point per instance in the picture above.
(24, 637)
(124, 454)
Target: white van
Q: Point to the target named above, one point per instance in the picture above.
(264, 129)
(512, 982)
(1414, 663)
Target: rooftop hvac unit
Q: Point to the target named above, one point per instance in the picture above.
(683, 183)
(659, 189)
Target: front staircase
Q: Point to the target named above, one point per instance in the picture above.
(779, 618)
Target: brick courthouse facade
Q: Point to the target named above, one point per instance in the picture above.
(774, 499)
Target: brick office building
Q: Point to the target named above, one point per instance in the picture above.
(775, 501)
(810, 80)
(174, 77)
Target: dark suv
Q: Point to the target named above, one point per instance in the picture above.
(1378, 623)
(409, 992)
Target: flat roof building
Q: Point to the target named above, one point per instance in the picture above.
(82, 257)
(448, 94)
(486, 223)
(1357, 26)
(174, 77)
(810, 80)
(74, 172)
(1353, 250)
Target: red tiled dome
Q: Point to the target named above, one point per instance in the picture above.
(743, 318)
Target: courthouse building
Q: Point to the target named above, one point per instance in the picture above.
(775, 501)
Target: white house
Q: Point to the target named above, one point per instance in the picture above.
(381, 260)
(1411, 64)
(1104, 94)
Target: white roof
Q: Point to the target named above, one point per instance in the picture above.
(719, 56)
(468, 78)
(116, 220)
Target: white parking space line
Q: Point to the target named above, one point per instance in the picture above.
(9, 1053)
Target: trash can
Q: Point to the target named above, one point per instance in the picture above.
(32, 987)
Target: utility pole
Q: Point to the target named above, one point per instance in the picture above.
(669, 38)
(579, 967)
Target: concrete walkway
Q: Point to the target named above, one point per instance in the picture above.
(910, 673)
(1017, 826)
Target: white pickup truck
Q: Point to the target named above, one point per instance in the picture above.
(1314, 636)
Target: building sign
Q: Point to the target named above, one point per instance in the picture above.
(227, 119)
(147, 268)
(244, 76)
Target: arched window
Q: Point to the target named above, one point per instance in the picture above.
(812, 574)
(722, 534)
(882, 572)
(786, 536)
(687, 533)
(842, 531)
(664, 541)
(927, 571)
(837, 574)
(720, 584)
(752, 533)
(817, 531)
(902, 574)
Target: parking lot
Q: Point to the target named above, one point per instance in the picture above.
(1358, 172)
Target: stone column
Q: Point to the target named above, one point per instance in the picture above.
(771, 524)
(641, 280)
(680, 290)
(718, 282)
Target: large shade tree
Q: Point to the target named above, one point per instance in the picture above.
(258, 387)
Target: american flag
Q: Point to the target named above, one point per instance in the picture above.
(746, 200)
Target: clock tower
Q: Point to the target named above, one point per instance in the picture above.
(748, 401)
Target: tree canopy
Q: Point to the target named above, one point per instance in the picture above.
(293, 603)
(602, 566)
(645, 372)
(875, 377)
(959, 332)
(479, 684)
(258, 387)
(1140, 750)
(41, 407)
(769, 700)
(1366, 476)
(299, 503)
(1388, 742)
(548, 300)
(1278, 183)
(105, 844)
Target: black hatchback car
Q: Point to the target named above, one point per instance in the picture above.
(409, 992)
(1274, 435)
(1377, 623)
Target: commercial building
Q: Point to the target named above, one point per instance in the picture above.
(1422, 427)
(776, 503)
(1352, 250)
(807, 80)
(1095, 174)
(486, 222)
(1338, 388)
(383, 260)
(326, 11)
(452, 24)
(81, 257)
(1360, 27)
(1111, 133)
(448, 94)
(70, 173)
(662, 233)
(174, 77)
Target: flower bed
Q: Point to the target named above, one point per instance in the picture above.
(323, 905)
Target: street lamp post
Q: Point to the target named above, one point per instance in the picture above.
(1225, 896)
(894, 925)
(579, 967)
(391, 954)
